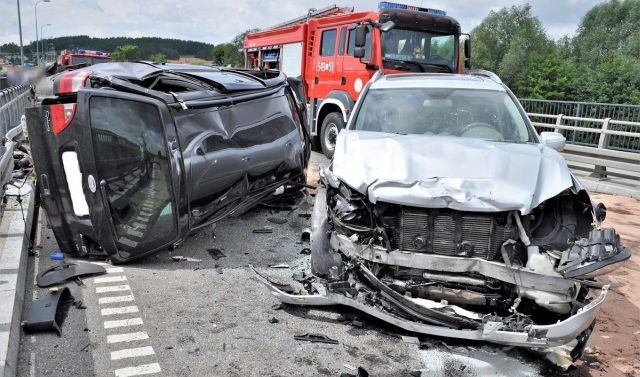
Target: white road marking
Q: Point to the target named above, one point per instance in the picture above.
(113, 288)
(115, 270)
(122, 323)
(132, 352)
(121, 310)
(134, 233)
(130, 337)
(139, 370)
(109, 279)
(112, 299)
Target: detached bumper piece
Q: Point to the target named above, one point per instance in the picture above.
(393, 308)
(589, 255)
(48, 313)
(59, 274)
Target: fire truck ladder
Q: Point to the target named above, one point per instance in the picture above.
(331, 10)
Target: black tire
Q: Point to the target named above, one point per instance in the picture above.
(331, 125)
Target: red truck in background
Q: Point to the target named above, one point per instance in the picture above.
(79, 57)
(335, 51)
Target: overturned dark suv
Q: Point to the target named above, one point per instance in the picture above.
(133, 157)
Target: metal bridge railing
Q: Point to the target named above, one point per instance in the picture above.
(13, 102)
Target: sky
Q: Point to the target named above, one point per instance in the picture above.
(216, 22)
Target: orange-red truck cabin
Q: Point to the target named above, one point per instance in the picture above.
(319, 50)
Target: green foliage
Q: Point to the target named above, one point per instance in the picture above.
(10, 48)
(126, 53)
(616, 80)
(547, 76)
(226, 54)
(607, 29)
(158, 58)
(503, 41)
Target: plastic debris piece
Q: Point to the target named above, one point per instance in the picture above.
(216, 253)
(277, 220)
(56, 255)
(315, 338)
(281, 265)
(306, 235)
(48, 313)
(58, 274)
(180, 258)
(305, 251)
(411, 340)
(264, 229)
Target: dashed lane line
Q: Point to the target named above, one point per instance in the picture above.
(120, 310)
(109, 279)
(114, 299)
(125, 338)
(122, 323)
(132, 352)
(114, 270)
(138, 370)
(113, 288)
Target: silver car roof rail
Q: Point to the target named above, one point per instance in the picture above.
(484, 73)
(376, 76)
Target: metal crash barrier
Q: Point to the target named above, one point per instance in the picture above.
(13, 102)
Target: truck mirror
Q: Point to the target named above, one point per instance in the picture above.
(361, 36)
(387, 26)
(358, 52)
(467, 52)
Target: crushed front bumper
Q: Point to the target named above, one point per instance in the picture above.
(556, 334)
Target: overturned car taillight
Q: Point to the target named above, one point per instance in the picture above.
(61, 116)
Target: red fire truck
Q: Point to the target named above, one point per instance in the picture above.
(334, 52)
(81, 57)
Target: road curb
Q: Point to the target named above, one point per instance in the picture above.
(15, 232)
(608, 187)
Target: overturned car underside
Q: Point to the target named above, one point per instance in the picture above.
(438, 257)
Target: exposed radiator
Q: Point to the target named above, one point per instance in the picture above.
(453, 233)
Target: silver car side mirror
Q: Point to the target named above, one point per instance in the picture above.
(553, 140)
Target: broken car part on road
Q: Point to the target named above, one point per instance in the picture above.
(48, 313)
(443, 213)
(66, 271)
(134, 157)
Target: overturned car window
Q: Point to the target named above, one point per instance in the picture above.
(131, 157)
(479, 114)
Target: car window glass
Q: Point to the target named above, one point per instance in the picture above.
(482, 114)
(367, 44)
(131, 156)
(328, 44)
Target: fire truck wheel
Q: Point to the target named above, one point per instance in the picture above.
(331, 125)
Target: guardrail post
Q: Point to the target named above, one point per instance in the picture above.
(558, 123)
(600, 171)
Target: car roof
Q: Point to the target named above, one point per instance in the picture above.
(437, 80)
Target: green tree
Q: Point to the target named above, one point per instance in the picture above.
(159, 58)
(616, 80)
(607, 29)
(548, 76)
(226, 54)
(126, 53)
(503, 41)
(238, 40)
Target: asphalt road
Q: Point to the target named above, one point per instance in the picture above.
(208, 317)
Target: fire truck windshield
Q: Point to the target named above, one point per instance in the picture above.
(418, 50)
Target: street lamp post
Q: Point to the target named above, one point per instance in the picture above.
(38, 39)
(20, 28)
(42, 36)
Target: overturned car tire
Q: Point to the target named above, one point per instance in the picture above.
(322, 256)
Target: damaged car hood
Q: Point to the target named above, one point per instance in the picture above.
(450, 172)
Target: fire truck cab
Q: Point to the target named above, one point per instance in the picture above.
(81, 57)
(335, 51)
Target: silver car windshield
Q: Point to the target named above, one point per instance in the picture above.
(479, 114)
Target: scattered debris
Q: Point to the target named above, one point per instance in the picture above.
(559, 358)
(357, 323)
(48, 313)
(56, 255)
(277, 220)
(305, 251)
(216, 253)
(180, 258)
(350, 367)
(315, 338)
(411, 340)
(79, 304)
(279, 306)
(306, 235)
(264, 229)
(281, 265)
(66, 271)
(360, 373)
(273, 320)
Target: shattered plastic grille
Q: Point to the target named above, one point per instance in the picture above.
(452, 233)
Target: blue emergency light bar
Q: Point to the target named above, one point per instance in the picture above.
(390, 5)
